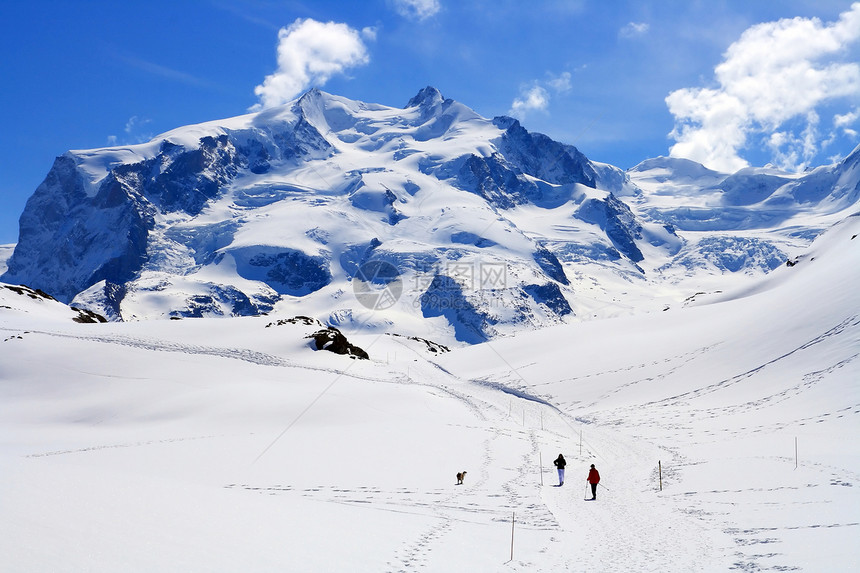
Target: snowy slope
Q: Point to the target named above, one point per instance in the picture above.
(230, 444)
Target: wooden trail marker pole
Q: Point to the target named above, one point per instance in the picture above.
(660, 473)
(540, 457)
(513, 519)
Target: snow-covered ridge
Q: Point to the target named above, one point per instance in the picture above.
(36, 305)
(491, 229)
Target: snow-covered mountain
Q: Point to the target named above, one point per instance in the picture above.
(429, 217)
(748, 219)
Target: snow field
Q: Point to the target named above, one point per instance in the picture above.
(155, 457)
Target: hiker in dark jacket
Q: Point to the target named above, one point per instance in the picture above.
(593, 478)
(560, 462)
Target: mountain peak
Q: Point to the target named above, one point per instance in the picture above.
(311, 95)
(852, 158)
(506, 122)
(427, 97)
(311, 99)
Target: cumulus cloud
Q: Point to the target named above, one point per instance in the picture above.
(771, 86)
(309, 54)
(534, 98)
(416, 9)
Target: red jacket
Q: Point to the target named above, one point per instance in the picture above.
(593, 476)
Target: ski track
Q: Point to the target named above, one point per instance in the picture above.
(592, 526)
(243, 354)
(471, 500)
(673, 363)
(852, 321)
(115, 446)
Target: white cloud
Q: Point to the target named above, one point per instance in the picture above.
(792, 149)
(634, 30)
(134, 123)
(561, 83)
(134, 132)
(777, 73)
(309, 54)
(417, 9)
(535, 98)
(845, 122)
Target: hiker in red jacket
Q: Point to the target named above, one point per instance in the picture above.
(593, 478)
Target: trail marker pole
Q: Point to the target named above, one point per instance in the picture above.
(513, 520)
(660, 473)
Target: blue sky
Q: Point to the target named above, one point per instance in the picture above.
(727, 83)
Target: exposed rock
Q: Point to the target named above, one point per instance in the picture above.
(429, 345)
(333, 340)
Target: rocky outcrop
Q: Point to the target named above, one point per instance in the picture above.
(333, 340)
